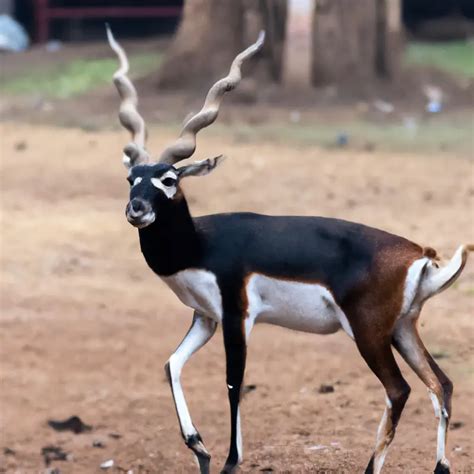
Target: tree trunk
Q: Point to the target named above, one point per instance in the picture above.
(388, 38)
(297, 62)
(355, 41)
(209, 36)
(212, 32)
(273, 15)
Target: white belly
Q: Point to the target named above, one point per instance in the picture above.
(308, 307)
(199, 290)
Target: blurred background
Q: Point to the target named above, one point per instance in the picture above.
(397, 69)
(357, 110)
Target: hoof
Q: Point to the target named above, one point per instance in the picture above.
(370, 467)
(204, 464)
(441, 469)
(230, 469)
(195, 443)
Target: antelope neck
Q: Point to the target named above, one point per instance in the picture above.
(171, 243)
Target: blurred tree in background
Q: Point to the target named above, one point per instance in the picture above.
(350, 40)
(355, 41)
(212, 32)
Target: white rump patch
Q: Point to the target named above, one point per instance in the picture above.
(412, 286)
(437, 279)
(307, 307)
(199, 290)
(424, 279)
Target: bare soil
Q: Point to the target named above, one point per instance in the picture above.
(86, 327)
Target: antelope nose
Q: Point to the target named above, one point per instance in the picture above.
(137, 206)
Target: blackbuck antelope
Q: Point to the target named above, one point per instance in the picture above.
(310, 274)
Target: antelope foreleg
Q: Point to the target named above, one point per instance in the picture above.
(202, 329)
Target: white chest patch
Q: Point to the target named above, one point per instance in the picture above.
(307, 307)
(199, 290)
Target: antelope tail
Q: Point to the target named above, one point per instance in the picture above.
(437, 279)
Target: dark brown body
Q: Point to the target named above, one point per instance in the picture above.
(366, 270)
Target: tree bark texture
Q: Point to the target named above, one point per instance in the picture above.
(355, 41)
(212, 32)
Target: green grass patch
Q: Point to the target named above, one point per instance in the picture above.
(441, 134)
(455, 57)
(76, 77)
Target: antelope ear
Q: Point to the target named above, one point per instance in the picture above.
(200, 168)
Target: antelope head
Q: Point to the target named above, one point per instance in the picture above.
(155, 184)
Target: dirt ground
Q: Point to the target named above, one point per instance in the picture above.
(87, 328)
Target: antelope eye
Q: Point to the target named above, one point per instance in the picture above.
(168, 182)
(130, 180)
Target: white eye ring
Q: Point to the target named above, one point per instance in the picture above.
(169, 191)
(169, 174)
(137, 180)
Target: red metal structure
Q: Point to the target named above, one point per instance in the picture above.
(45, 13)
